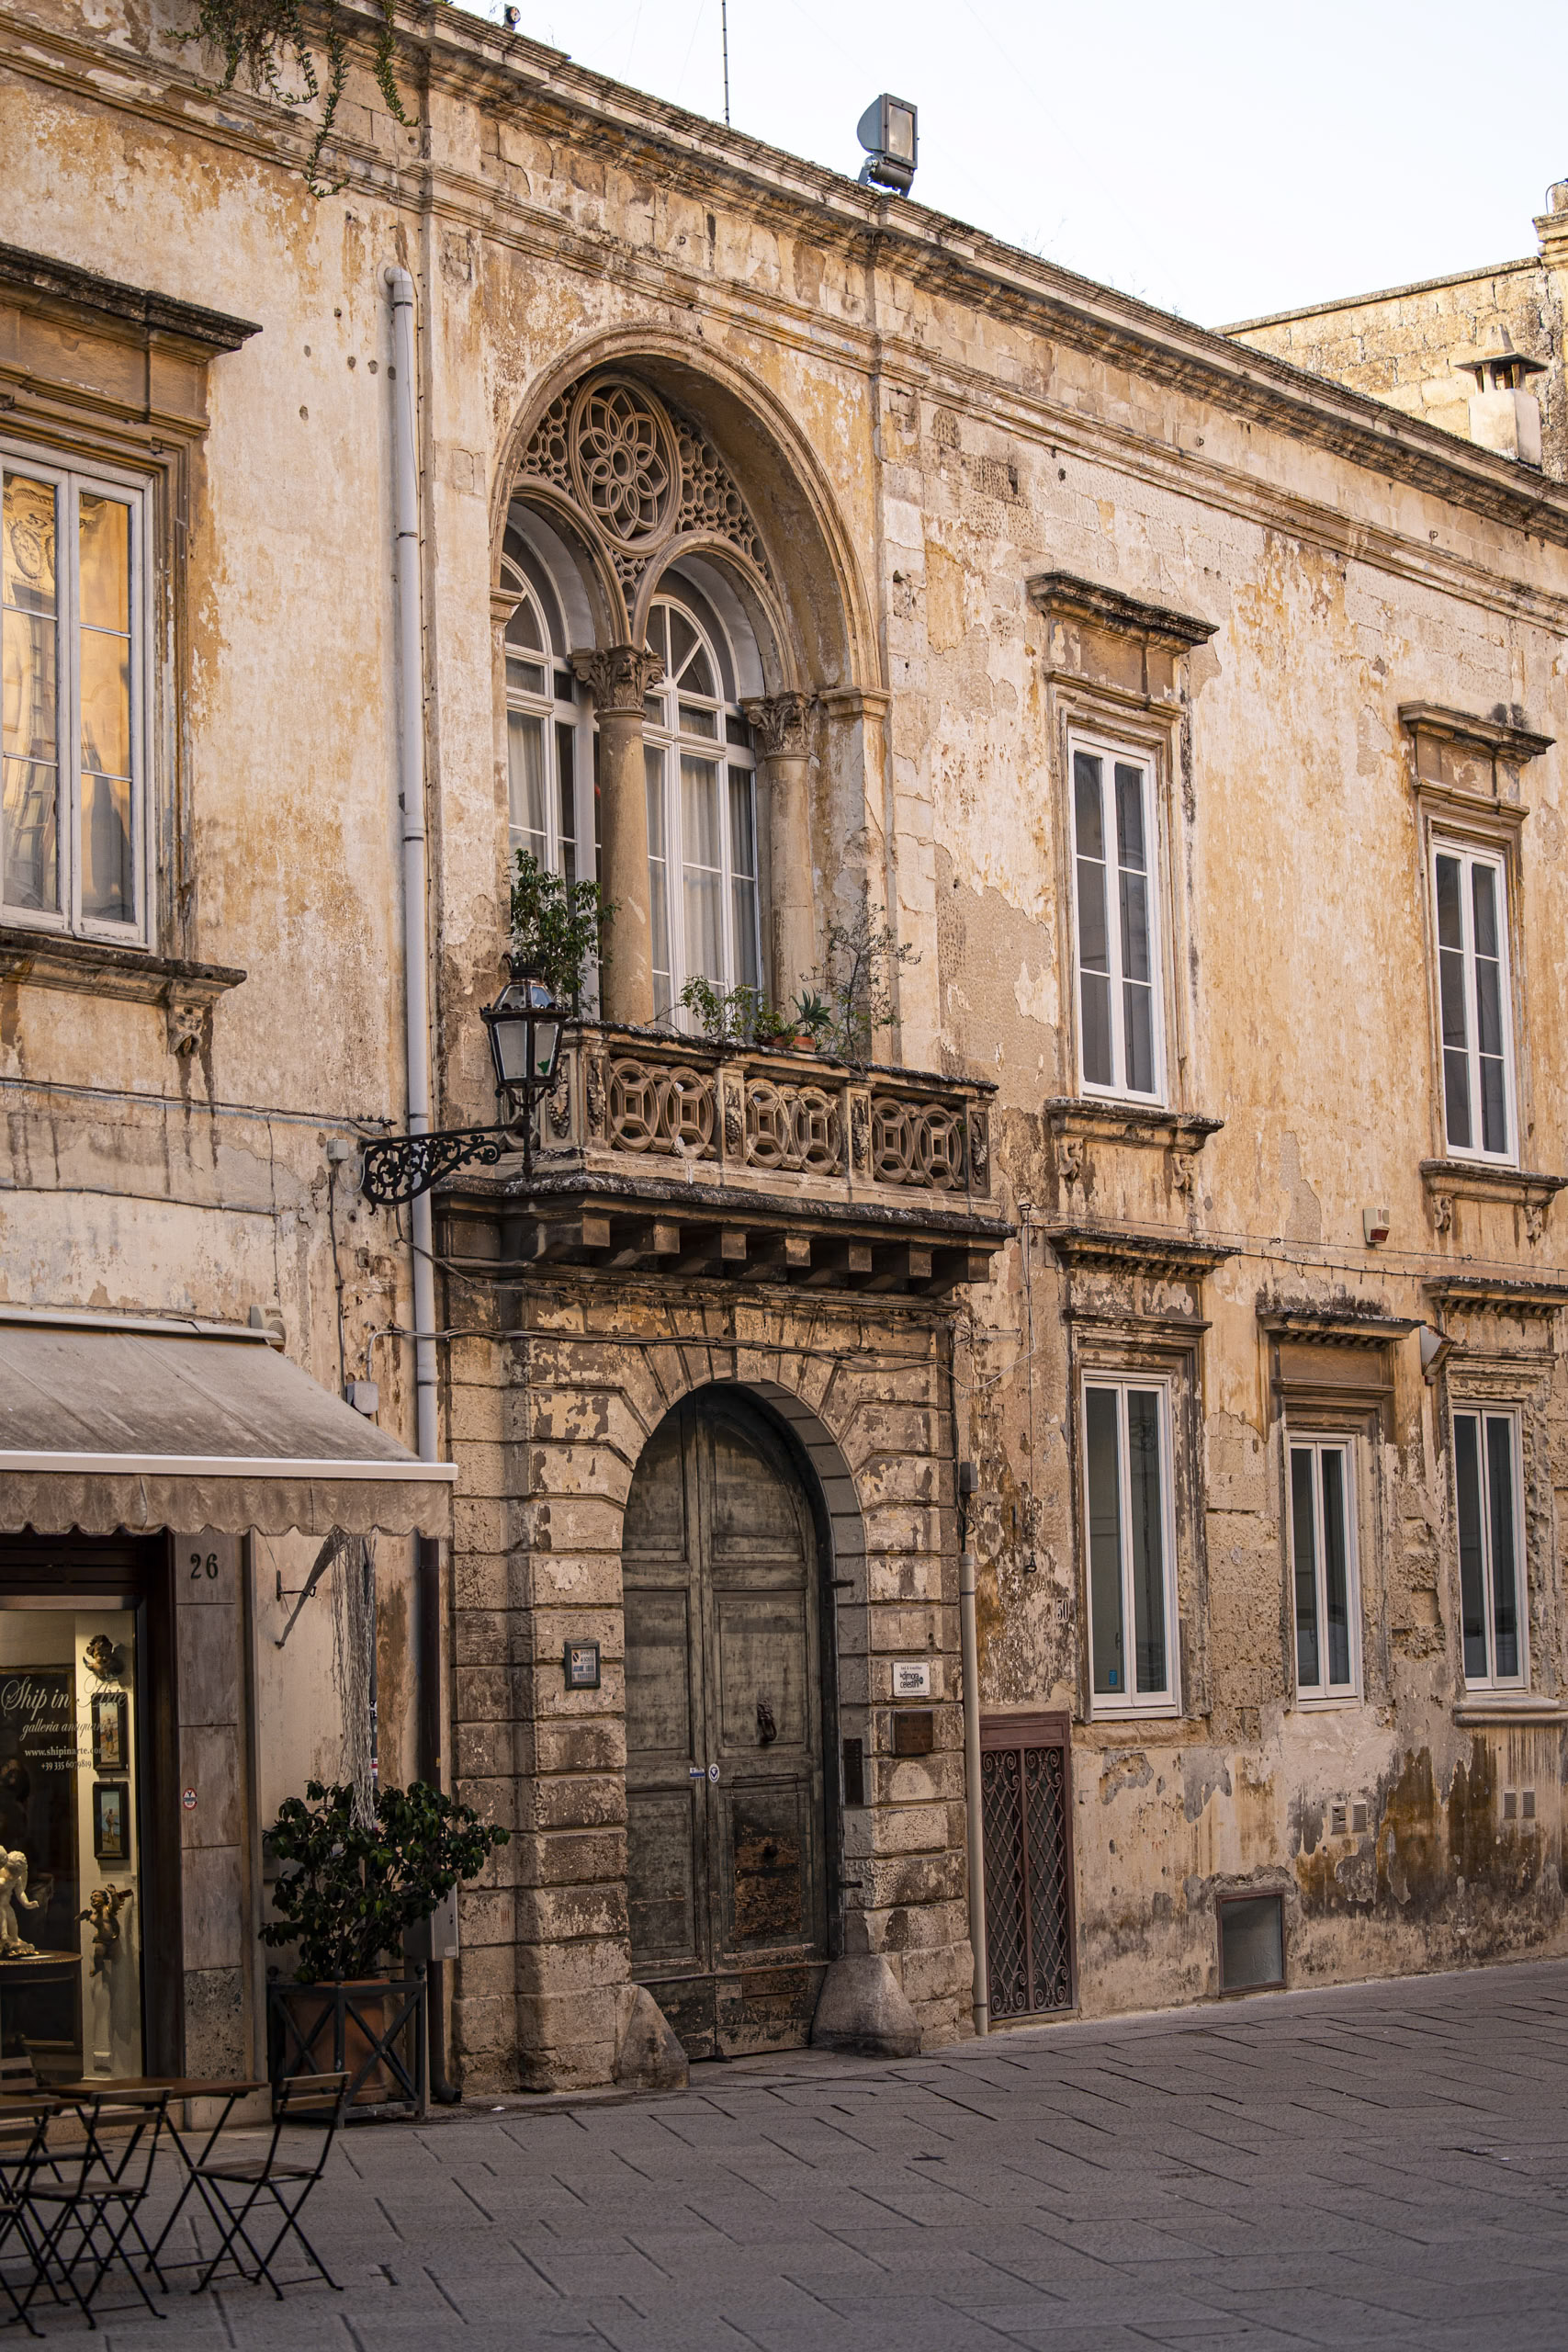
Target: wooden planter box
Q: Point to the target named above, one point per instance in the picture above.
(372, 2030)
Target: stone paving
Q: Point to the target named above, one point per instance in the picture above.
(1381, 2164)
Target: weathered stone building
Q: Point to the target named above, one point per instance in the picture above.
(1189, 1252)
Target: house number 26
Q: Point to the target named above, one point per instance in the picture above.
(206, 1567)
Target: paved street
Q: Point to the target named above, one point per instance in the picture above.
(1386, 2165)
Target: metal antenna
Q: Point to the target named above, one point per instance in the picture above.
(724, 36)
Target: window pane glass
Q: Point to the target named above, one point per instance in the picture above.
(743, 885)
(1138, 1005)
(1489, 1009)
(1130, 848)
(736, 731)
(658, 885)
(525, 779)
(32, 848)
(524, 677)
(565, 774)
(1471, 1566)
(109, 889)
(106, 702)
(1451, 918)
(103, 540)
(682, 639)
(524, 630)
(1103, 1452)
(700, 855)
(1303, 1543)
(1336, 1569)
(695, 720)
(1147, 1533)
(1505, 1566)
(1094, 944)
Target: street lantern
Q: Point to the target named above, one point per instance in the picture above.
(525, 1026)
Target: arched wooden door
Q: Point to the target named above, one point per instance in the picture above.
(726, 1851)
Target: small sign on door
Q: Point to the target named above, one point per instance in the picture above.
(911, 1678)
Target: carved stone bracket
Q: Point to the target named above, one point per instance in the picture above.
(778, 724)
(1530, 1189)
(619, 678)
(185, 992)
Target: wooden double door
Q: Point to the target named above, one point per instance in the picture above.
(726, 1851)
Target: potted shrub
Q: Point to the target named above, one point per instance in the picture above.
(347, 1893)
(863, 956)
(558, 930)
(813, 1018)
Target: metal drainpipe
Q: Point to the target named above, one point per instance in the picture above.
(970, 1650)
(416, 1015)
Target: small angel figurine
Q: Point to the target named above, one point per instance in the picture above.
(102, 1914)
(13, 1945)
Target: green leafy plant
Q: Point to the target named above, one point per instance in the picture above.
(558, 928)
(267, 39)
(773, 1028)
(728, 1016)
(813, 1014)
(863, 956)
(347, 1893)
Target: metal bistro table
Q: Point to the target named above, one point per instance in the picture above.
(180, 2087)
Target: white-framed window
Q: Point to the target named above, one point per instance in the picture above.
(543, 721)
(1116, 868)
(702, 817)
(74, 695)
(1470, 893)
(1491, 1571)
(1129, 1521)
(1323, 1568)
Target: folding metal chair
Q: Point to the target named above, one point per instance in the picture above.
(80, 2218)
(232, 2189)
(24, 2149)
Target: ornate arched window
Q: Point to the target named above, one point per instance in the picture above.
(702, 810)
(542, 720)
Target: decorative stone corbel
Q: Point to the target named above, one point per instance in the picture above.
(1443, 1211)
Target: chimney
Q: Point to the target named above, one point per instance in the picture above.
(1502, 415)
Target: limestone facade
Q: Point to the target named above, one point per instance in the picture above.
(965, 521)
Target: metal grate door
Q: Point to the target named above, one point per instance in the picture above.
(1026, 1819)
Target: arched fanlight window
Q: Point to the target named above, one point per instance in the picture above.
(541, 738)
(702, 814)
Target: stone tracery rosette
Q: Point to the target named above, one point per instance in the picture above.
(637, 477)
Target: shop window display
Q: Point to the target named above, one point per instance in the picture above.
(69, 1927)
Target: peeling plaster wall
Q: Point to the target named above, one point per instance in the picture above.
(956, 432)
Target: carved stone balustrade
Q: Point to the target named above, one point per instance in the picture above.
(658, 1152)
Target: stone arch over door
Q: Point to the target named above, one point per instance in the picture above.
(734, 1828)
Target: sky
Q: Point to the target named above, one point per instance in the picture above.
(1220, 161)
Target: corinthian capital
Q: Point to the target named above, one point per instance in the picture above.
(617, 677)
(778, 721)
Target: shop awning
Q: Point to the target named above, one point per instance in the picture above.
(139, 1424)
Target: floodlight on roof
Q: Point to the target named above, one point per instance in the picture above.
(889, 132)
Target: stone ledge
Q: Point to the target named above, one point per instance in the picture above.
(187, 991)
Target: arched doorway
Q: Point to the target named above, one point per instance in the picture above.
(727, 1861)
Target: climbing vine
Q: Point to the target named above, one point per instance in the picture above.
(268, 40)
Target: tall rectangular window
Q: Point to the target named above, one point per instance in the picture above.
(1322, 1570)
(1115, 866)
(1470, 896)
(1127, 1502)
(72, 815)
(1491, 1583)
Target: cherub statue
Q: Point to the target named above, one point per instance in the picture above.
(103, 1655)
(13, 1945)
(102, 1914)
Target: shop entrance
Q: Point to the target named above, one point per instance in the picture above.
(76, 1881)
(726, 1831)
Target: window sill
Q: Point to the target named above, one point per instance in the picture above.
(187, 991)
(1504, 1709)
(1487, 1179)
(1150, 1125)
(1337, 1702)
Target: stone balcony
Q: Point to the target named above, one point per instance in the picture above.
(662, 1153)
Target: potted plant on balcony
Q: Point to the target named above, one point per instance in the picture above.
(813, 1019)
(558, 930)
(347, 1893)
(863, 956)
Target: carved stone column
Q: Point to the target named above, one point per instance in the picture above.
(778, 722)
(618, 676)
